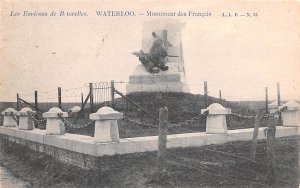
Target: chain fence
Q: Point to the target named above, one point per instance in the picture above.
(271, 115)
(141, 124)
(73, 125)
(40, 123)
(193, 122)
(284, 108)
(187, 123)
(190, 122)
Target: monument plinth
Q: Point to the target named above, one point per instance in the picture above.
(170, 80)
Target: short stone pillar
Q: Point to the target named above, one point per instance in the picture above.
(216, 118)
(106, 125)
(8, 120)
(54, 125)
(291, 116)
(25, 122)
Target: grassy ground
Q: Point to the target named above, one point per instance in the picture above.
(181, 107)
(128, 129)
(224, 165)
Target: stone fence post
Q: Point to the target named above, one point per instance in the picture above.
(291, 116)
(106, 125)
(54, 125)
(8, 120)
(25, 122)
(216, 118)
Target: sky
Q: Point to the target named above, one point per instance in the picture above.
(238, 55)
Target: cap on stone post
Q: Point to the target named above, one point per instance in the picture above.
(8, 120)
(54, 125)
(74, 109)
(291, 116)
(216, 118)
(25, 123)
(106, 125)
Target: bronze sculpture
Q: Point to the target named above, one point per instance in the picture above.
(158, 53)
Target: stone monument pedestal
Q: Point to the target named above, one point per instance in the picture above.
(164, 81)
(168, 31)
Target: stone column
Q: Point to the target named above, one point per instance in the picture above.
(291, 116)
(106, 125)
(216, 118)
(54, 125)
(25, 123)
(8, 120)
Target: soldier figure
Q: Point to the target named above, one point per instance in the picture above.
(157, 56)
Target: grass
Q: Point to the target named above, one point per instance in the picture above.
(181, 107)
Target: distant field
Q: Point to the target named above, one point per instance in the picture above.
(67, 105)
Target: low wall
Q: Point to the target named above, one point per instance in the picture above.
(82, 151)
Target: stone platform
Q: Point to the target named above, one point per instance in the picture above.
(83, 151)
(172, 80)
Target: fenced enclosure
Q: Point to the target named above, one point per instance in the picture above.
(92, 96)
(141, 108)
(142, 117)
(169, 158)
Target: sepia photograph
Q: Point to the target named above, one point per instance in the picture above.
(154, 93)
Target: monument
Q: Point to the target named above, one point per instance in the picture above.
(161, 67)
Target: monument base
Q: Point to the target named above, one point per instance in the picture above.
(171, 80)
